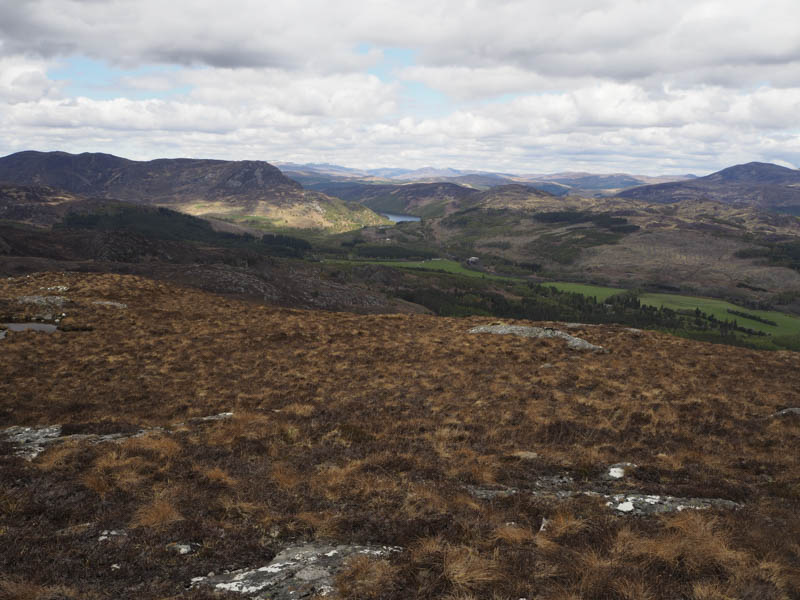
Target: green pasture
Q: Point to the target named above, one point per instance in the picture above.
(786, 324)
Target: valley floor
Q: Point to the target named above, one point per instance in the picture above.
(200, 434)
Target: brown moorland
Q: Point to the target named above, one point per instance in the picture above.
(401, 430)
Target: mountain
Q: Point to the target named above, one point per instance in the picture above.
(238, 189)
(762, 185)
(152, 182)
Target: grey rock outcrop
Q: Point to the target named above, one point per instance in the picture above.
(574, 343)
(296, 572)
(787, 412)
(642, 504)
(629, 502)
(110, 303)
(30, 442)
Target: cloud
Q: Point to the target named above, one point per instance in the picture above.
(647, 86)
(23, 79)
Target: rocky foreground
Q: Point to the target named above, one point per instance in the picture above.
(168, 443)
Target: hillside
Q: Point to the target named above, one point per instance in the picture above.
(420, 199)
(193, 186)
(46, 230)
(186, 445)
(760, 185)
(700, 248)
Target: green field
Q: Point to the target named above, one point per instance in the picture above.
(598, 291)
(787, 324)
(437, 264)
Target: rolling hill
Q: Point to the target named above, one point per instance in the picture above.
(195, 186)
(699, 248)
(763, 185)
(419, 199)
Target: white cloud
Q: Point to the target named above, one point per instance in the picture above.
(23, 79)
(647, 86)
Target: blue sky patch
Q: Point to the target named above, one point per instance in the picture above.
(98, 80)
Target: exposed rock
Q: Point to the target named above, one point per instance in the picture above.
(45, 301)
(560, 487)
(45, 307)
(181, 548)
(110, 303)
(30, 442)
(573, 342)
(111, 534)
(220, 417)
(786, 412)
(619, 470)
(296, 572)
(490, 493)
(641, 504)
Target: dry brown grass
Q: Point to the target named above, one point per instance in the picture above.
(513, 534)
(11, 589)
(299, 410)
(367, 429)
(366, 578)
(159, 446)
(465, 569)
(158, 513)
(218, 476)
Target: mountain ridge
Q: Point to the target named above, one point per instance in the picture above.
(763, 185)
(198, 187)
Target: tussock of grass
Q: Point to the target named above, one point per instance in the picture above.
(158, 513)
(365, 578)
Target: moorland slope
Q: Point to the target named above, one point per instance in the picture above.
(201, 434)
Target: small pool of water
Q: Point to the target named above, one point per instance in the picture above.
(30, 327)
(400, 218)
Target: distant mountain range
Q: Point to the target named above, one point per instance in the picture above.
(763, 185)
(559, 184)
(195, 186)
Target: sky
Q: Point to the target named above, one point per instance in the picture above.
(532, 86)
